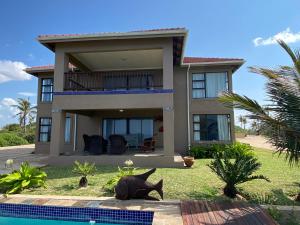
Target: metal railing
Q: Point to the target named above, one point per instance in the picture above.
(121, 80)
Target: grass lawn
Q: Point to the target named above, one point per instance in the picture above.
(195, 183)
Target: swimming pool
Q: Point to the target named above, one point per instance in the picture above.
(21, 214)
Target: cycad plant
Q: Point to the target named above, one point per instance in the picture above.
(281, 116)
(84, 169)
(235, 171)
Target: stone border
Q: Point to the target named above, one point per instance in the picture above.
(165, 212)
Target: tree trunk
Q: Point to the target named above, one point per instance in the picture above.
(298, 198)
(83, 182)
(230, 191)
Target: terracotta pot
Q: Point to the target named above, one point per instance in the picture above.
(188, 161)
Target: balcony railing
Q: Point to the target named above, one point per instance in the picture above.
(102, 81)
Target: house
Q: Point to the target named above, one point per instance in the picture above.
(137, 84)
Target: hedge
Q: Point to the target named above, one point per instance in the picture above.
(10, 139)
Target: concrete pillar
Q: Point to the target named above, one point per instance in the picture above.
(168, 125)
(57, 132)
(61, 66)
(168, 65)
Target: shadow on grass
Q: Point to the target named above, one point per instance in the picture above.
(209, 193)
(275, 197)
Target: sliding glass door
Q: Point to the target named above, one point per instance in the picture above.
(133, 129)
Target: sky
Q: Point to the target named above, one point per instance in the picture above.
(217, 28)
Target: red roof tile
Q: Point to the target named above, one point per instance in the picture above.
(208, 60)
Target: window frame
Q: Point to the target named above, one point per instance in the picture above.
(205, 130)
(42, 132)
(46, 92)
(205, 86)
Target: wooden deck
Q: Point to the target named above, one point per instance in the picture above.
(216, 213)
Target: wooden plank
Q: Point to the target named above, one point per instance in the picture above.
(185, 212)
(210, 212)
(244, 216)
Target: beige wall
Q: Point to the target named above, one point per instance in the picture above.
(173, 106)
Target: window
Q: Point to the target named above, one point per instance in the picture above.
(47, 90)
(45, 129)
(209, 85)
(143, 127)
(68, 129)
(211, 127)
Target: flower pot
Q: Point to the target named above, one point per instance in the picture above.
(188, 161)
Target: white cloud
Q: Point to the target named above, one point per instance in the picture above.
(8, 102)
(8, 106)
(27, 94)
(287, 35)
(12, 70)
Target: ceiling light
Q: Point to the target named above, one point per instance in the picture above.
(121, 110)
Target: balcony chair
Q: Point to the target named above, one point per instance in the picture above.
(148, 145)
(94, 144)
(117, 144)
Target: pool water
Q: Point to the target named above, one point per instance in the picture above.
(26, 221)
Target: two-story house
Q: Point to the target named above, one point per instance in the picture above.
(135, 84)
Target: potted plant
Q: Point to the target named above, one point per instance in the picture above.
(188, 160)
(84, 169)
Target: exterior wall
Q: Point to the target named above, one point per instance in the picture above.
(197, 106)
(43, 110)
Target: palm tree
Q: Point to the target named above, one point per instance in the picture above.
(241, 120)
(282, 114)
(244, 121)
(25, 111)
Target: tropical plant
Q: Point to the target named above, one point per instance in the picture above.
(124, 171)
(11, 139)
(26, 177)
(282, 115)
(84, 169)
(235, 171)
(25, 112)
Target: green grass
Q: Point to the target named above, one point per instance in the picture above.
(195, 183)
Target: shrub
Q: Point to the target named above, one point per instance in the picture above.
(10, 139)
(124, 171)
(208, 151)
(84, 169)
(24, 178)
(235, 171)
(30, 138)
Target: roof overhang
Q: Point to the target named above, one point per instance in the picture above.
(50, 40)
(236, 64)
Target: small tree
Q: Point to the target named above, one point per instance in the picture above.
(235, 171)
(84, 169)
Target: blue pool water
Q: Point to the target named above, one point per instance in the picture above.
(26, 221)
(26, 214)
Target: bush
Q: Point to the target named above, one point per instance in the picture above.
(10, 139)
(208, 151)
(30, 138)
(24, 178)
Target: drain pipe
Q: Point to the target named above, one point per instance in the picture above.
(75, 133)
(188, 105)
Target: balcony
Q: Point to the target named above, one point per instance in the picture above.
(113, 81)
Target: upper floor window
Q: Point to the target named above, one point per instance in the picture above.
(45, 129)
(47, 90)
(209, 85)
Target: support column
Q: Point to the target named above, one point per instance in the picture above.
(168, 125)
(57, 132)
(61, 66)
(168, 65)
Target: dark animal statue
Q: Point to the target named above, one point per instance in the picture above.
(137, 186)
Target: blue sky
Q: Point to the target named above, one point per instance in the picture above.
(216, 29)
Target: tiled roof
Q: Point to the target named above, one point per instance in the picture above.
(46, 36)
(208, 60)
